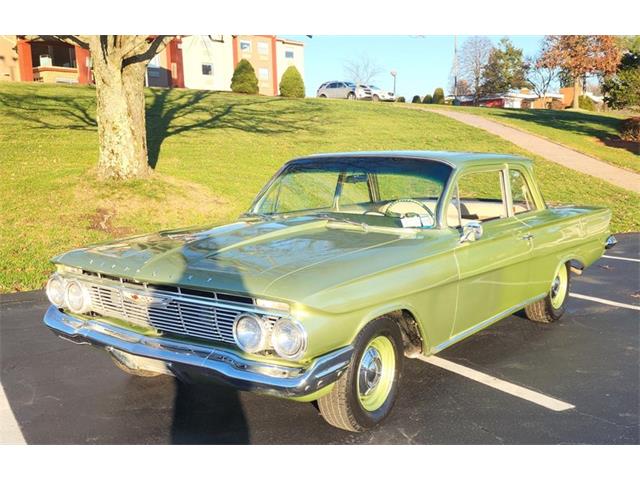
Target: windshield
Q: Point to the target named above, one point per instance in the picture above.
(403, 190)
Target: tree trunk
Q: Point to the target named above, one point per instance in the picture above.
(576, 92)
(121, 117)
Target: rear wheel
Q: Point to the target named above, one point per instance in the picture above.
(323, 96)
(366, 392)
(375, 98)
(351, 96)
(553, 306)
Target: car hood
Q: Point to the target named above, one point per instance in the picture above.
(291, 259)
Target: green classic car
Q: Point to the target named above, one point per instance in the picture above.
(344, 265)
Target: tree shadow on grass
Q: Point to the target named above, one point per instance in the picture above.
(49, 112)
(601, 127)
(170, 113)
(174, 112)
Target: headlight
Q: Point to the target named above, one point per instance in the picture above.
(77, 297)
(289, 339)
(55, 290)
(249, 333)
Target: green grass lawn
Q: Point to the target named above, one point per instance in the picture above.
(212, 153)
(594, 134)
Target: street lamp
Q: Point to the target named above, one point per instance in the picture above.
(394, 74)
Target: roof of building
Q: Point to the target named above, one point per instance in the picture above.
(455, 159)
(291, 42)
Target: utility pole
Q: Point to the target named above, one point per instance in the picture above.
(455, 67)
(394, 74)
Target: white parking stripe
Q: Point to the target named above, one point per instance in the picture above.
(605, 301)
(621, 258)
(502, 385)
(10, 433)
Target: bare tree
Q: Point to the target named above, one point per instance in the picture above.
(119, 64)
(474, 56)
(362, 70)
(540, 76)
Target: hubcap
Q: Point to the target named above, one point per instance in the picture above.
(559, 287)
(376, 373)
(370, 370)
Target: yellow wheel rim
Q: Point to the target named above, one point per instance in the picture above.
(559, 287)
(376, 372)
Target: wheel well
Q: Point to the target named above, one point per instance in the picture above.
(411, 336)
(576, 266)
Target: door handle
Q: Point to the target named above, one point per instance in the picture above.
(527, 236)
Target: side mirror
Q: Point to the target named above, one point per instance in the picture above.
(471, 232)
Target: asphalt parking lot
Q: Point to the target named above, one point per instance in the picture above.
(58, 392)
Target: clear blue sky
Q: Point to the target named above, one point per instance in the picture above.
(422, 62)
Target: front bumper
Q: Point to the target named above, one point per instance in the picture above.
(186, 360)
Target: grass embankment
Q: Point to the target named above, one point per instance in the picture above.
(594, 134)
(212, 153)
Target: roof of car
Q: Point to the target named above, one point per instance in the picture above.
(455, 159)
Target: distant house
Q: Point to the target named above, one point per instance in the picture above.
(523, 98)
(568, 93)
(203, 62)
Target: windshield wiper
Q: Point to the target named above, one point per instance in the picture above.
(331, 218)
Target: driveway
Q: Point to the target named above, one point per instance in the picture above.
(547, 149)
(517, 382)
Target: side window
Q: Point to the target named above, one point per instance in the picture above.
(480, 197)
(520, 193)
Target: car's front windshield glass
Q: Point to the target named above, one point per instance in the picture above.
(394, 192)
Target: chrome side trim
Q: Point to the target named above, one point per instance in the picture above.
(185, 359)
(470, 331)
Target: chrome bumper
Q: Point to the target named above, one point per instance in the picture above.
(187, 360)
(610, 242)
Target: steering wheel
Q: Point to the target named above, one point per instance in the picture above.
(426, 211)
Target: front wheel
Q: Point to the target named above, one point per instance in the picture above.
(553, 306)
(351, 96)
(366, 392)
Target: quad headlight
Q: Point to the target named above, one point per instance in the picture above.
(250, 333)
(77, 297)
(55, 290)
(254, 334)
(289, 338)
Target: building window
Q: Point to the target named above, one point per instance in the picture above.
(264, 73)
(288, 54)
(245, 46)
(263, 48)
(207, 69)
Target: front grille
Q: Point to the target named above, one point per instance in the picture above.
(194, 314)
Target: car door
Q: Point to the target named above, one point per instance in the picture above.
(494, 269)
(543, 228)
(333, 90)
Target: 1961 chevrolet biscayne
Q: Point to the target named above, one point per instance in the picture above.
(344, 264)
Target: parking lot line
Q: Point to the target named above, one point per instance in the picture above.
(621, 258)
(605, 301)
(502, 385)
(10, 433)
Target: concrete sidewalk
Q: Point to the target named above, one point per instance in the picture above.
(549, 150)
